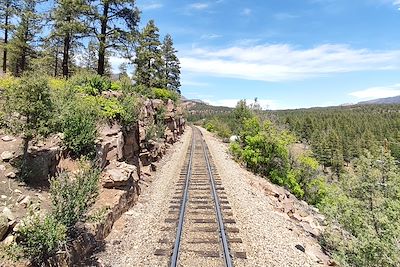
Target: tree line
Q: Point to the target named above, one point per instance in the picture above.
(340, 135)
(61, 37)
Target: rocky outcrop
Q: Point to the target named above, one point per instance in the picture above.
(127, 156)
(137, 144)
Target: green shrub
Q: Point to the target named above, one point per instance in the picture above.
(79, 129)
(89, 83)
(131, 110)
(30, 98)
(165, 94)
(39, 239)
(236, 150)
(219, 127)
(71, 196)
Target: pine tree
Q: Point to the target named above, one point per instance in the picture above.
(7, 12)
(69, 25)
(123, 70)
(171, 64)
(89, 57)
(114, 24)
(149, 62)
(22, 46)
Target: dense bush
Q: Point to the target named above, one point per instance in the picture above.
(7, 81)
(89, 83)
(219, 127)
(38, 239)
(131, 109)
(72, 195)
(79, 128)
(28, 106)
(165, 94)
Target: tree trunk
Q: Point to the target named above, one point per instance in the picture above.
(6, 38)
(23, 65)
(102, 40)
(65, 62)
(56, 63)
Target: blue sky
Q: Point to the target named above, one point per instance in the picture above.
(287, 53)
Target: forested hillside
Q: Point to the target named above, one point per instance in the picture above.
(339, 135)
(351, 173)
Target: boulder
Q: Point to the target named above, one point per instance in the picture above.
(7, 155)
(43, 164)
(301, 248)
(2, 167)
(170, 106)
(157, 103)
(120, 175)
(9, 240)
(101, 154)
(3, 226)
(24, 201)
(8, 214)
(11, 175)
(7, 138)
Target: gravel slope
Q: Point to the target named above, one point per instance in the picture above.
(267, 235)
(135, 235)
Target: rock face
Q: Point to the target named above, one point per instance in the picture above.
(3, 226)
(135, 145)
(43, 163)
(7, 155)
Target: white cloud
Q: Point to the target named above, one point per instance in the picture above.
(210, 36)
(377, 92)
(151, 6)
(246, 12)
(264, 103)
(199, 6)
(285, 16)
(282, 62)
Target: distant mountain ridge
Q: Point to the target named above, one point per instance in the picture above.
(388, 100)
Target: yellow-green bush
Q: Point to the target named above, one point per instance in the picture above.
(6, 81)
(165, 94)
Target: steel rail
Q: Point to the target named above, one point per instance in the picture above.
(175, 254)
(223, 236)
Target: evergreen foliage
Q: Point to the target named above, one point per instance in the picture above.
(149, 62)
(114, 25)
(26, 34)
(171, 65)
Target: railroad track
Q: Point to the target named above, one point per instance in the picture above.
(200, 229)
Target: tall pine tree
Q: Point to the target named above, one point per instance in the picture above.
(8, 9)
(171, 64)
(22, 46)
(149, 62)
(70, 23)
(114, 24)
